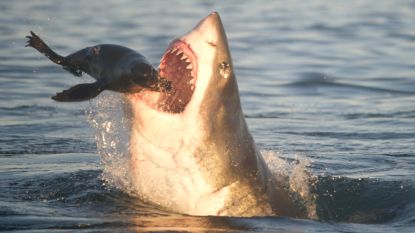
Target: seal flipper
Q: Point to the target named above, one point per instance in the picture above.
(80, 92)
(38, 44)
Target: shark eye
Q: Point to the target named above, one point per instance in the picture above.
(224, 69)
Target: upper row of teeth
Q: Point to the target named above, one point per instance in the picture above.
(184, 57)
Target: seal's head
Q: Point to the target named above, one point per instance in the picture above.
(144, 75)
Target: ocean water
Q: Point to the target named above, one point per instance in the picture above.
(328, 90)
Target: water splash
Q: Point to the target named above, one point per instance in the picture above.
(295, 177)
(105, 114)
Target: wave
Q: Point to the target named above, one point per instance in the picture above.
(315, 79)
(361, 200)
(339, 198)
(43, 145)
(38, 111)
(355, 135)
(340, 115)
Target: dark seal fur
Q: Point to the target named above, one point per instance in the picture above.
(114, 67)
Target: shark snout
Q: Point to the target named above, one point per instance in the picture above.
(210, 28)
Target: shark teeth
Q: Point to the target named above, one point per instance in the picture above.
(162, 65)
(177, 60)
(163, 57)
(184, 57)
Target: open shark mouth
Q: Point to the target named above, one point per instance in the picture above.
(179, 66)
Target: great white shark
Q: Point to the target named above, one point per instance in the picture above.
(190, 148)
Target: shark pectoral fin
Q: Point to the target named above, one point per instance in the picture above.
(79, 92)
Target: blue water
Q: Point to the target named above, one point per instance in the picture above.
(322, 83)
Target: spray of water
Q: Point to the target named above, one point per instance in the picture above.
(295, 177)
(105, 114)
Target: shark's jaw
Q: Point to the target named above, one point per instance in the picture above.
(179, 66)
(188, 63)
(190, 149)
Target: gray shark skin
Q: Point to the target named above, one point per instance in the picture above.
(190, 148)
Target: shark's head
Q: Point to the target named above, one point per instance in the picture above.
(199, 66)
(189, 146)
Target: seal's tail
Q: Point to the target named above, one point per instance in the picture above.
(38, 44)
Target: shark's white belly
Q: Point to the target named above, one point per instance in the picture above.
(169, 176)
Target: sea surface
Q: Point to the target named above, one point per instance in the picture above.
(327, 88)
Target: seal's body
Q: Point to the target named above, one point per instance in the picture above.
(114, 67)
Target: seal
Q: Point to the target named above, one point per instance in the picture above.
(114, 67)
(190, 149)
